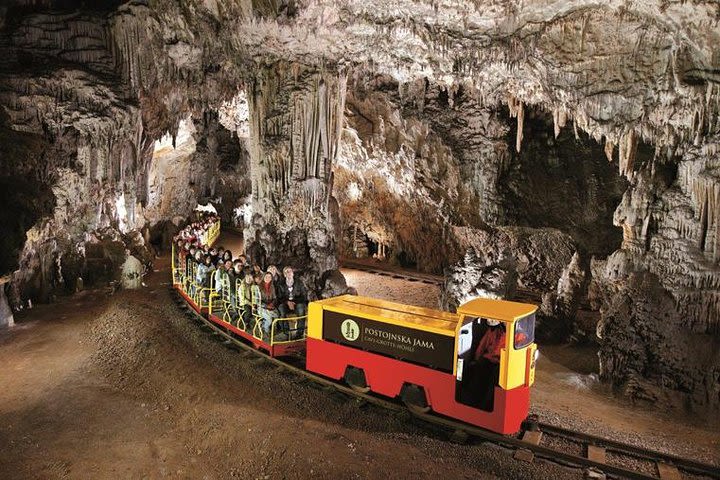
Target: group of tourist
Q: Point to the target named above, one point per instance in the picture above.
(249, 292)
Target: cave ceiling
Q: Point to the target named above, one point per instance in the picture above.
(611, 66)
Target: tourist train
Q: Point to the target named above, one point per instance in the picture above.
(476, 365)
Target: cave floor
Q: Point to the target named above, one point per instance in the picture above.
(124, 386)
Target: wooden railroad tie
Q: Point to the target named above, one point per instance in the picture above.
(596, 454)
(530, 436)
(668, 472)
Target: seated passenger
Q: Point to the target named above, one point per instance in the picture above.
(220, 277)
(192, 261)
(248, 296)
(272, 269)
(229, 287)
(484, 368)
(292, 298)
(268, 303)
(202, 272)
(180, 252)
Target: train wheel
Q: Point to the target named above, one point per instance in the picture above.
(355, 378)
(414, 398)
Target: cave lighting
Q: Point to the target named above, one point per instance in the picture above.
(210, 208)
(353, 191)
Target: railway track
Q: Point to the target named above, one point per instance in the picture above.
(521, 294)
(386, 271)
(603, 456)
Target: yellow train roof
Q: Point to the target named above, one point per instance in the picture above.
(496, 309)
(409, 316)
(427, 319)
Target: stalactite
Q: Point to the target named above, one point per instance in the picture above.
(517, 111)
(627, 152)
(559, 120)
(609, 149)
(706, 192)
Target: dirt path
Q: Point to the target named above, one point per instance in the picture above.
(126, 387)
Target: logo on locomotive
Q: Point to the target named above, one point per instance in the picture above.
(350, 330)
(410, 344)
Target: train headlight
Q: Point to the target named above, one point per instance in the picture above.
(536, 355)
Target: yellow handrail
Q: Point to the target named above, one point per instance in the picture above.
(275, 321)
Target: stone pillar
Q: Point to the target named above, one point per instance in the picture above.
(296, 118)
(6, 314)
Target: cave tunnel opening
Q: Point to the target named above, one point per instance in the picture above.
(565, 183)
(390, 179)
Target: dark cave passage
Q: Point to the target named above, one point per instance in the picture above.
(565, 183)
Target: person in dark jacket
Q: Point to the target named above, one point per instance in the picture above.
(292, 299)
(292, 295)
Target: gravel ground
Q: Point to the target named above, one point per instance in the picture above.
(642, 466)
(669, 440)
(563, 445)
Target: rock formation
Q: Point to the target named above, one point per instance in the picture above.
(297, 119)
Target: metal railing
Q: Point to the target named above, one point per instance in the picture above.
(296, 330)
(282, 330)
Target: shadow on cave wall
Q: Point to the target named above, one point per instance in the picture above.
(565, 183)
(24, 197)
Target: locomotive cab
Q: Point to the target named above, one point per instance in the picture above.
(511, 365)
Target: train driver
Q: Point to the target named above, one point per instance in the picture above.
(486, 364)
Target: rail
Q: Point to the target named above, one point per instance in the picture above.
(384, 270)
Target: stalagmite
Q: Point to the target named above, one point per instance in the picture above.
(6, 314)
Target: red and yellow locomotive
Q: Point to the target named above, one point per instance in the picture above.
(428, 357)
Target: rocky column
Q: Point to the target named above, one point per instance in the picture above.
(6, 314)
(296, 117)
